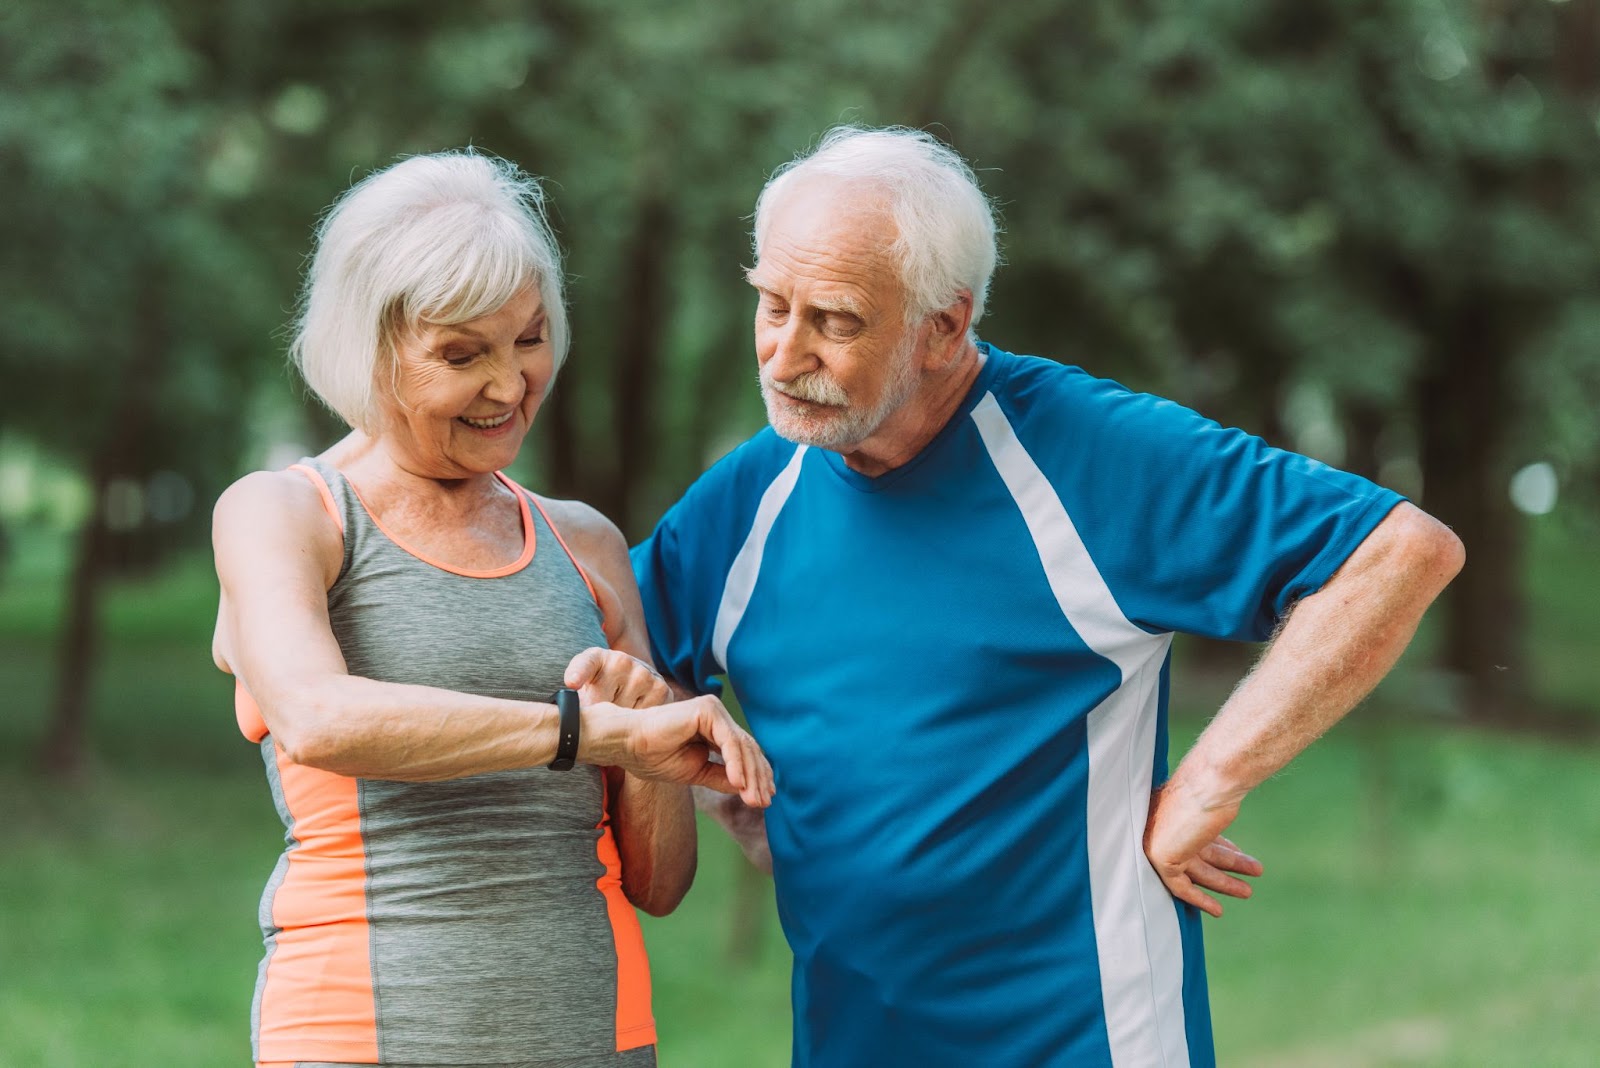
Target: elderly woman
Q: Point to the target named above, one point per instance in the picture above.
(464, 848)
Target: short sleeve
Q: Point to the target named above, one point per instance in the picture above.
(1195, 527)
(682, 568)
(679, 608)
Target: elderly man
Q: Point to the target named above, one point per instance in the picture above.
(944, 585)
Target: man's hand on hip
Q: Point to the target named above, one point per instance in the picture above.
(1184, 843)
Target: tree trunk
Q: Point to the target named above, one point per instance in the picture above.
(562, 477)
(1577, 58)
(726, 370)
(1364, 423)
(1463, 422)
(639, 353)
(63, 750)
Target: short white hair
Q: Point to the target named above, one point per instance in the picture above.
(946, 225)
(442, 239)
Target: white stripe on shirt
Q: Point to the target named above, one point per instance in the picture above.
(747, 565)
(1135, 922)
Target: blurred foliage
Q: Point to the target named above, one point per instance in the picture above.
(1366, 229)
(1220, 200)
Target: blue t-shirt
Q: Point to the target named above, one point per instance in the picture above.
(959, 672)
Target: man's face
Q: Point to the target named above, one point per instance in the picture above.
(837, 358)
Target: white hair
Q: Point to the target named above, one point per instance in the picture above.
(946, 225)
(440, 239)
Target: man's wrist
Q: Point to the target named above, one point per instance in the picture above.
(1208, 784)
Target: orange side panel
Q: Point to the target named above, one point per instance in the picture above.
(248, 714)
(318, 1003)
(636, 1024)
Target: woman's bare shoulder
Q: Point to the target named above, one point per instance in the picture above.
(579, 521)
(275, 512)
(286, 493)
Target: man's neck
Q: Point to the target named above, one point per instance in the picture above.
(917, 422)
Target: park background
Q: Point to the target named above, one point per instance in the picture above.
(1368, 230)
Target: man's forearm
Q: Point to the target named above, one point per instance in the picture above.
(745, 825)
(1330, 653)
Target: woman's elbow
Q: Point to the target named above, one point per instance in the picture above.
(660, 895)
(660, 904)
(306, 737)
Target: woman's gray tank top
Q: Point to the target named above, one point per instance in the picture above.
(495, 924)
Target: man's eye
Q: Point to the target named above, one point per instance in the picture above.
(776, 312)
(842, 325)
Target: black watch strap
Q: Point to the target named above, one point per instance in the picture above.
(566, 702)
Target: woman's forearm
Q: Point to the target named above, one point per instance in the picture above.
(655, 831)
(364, 728)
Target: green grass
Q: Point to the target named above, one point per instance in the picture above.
(128, 936)
(1429, 896)
(1429, 899)
(1445, 918)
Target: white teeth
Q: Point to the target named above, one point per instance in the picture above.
(486, 424)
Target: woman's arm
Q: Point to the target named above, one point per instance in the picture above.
(653, 822)
(277, 553)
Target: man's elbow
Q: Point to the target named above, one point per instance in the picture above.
(1432, 550)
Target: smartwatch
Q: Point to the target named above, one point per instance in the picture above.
(566, 702)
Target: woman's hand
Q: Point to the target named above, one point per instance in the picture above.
(678, 743)
(613, 677)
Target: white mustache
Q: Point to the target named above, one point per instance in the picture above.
(813, 386)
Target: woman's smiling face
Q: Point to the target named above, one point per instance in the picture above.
(464, 395)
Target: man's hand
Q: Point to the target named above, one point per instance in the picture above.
(745, 825)
(1184, 843)
(676, 743)
(613, 677)
(1328, 654)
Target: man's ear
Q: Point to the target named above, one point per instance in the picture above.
(948, 330)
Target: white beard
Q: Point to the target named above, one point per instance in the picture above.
(834, 423)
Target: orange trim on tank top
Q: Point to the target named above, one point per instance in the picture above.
(529, 538)
(323, 491)
(563, 543)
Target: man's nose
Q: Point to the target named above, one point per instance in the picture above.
(790, 350)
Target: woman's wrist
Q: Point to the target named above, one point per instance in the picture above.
(603, 736)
